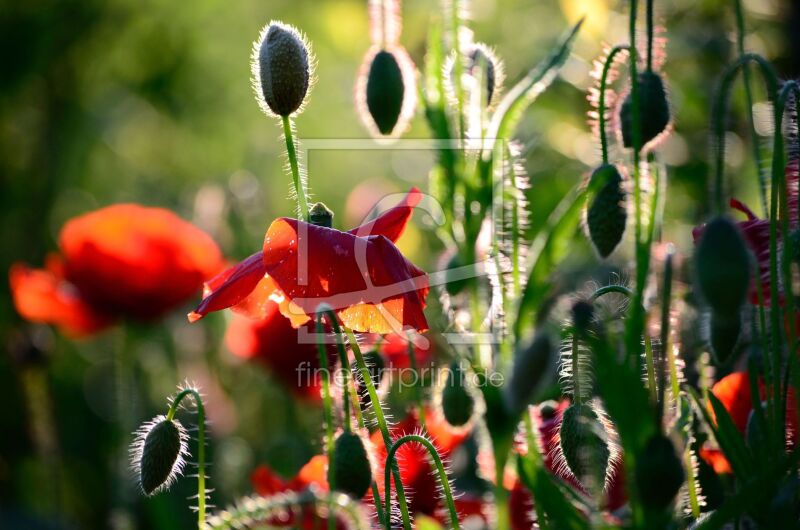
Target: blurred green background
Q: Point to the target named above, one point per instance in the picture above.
(150, 101)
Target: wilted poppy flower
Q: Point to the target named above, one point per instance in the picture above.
(733, 391)
(360, 273)
(122, 261)
(756, 233)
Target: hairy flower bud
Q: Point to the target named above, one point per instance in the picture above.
(282, 65)
(724, 335)
(352, 470)
(158, 454)
(659, 473)
(458, 404)
(531, 365)
(722, 262)
(585, 446)
(607, 214)
(654, 114)
(320, 215)
(385, 90)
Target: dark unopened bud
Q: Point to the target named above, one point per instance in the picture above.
(531, 365)
(654, 114)
(352, 470)
(282, 63)
(659, 473)
(585, 446)
(458, 404)
(548, 409)
(481, 59)
(607, 214)
(722, 262)
(158, 454)
(582, 316)
(724, 336)
(385, 90)
(320, 215)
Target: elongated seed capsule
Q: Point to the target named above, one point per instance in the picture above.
(385, 93)
(282, 64)
(158, 454)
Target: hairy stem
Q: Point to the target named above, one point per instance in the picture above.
(297, 181)
(601, 104)
(201, 447)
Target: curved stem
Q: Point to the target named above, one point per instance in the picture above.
(201, 447)
(291, 153)
(384, 428)
(327, 404)
(437, 461)
(721, 104)
(601, 104)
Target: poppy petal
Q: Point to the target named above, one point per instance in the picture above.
(370, 284)
(391, 223)
(230, 287)
(42, 295)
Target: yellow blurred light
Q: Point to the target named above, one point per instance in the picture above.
(595, 11)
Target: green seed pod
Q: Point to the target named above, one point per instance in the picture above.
(458, 404)
(722, 262)
(725, 332)
(585, 446)
(352, 470)
(659, 473)
(653, 110)
(531, 364)
(158, 454)
(320, 215)
(607, 214)
(282, 63)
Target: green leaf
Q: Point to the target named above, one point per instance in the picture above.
(551, 499)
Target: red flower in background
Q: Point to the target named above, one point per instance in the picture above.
(733, 391)
(360, 273)
(122, 261)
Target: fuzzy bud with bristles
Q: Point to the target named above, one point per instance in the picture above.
(320, 215)
(607, 214)
(659, 473)
(585, 446)
(352, 469)
(158, 454)
(654, 113)
(531, 365)
(282, 69)
(582, 314)
(722, 262)
(457, 402)
(385, 91)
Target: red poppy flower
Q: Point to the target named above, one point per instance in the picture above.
(756, 232)
(395, 348)
(733, 391)
(360, 273)
(122, 261)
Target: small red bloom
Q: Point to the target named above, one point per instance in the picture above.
(122, 261)
(360, 273)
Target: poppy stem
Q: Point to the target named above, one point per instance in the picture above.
(297, 179)
(383, 426)
(444, 482)
(458, 65)
(412, 359)
(337, 330)
(201, 447)
(327, 405)
(602, 117)
(649, 22)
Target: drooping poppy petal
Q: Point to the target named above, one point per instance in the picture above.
(369, 283)
(246, 288)
(134, 261)
(395, 348)
(42, 295)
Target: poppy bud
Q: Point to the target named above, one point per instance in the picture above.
(724, 336)
(585, 446)
(607, 214)
(659, 473)
(385, 90)
(653, 110)
(281, 68)
(531, 363)
(352, 470)
(722, 262)
(158, 454)
(481, 57)
(457, 402)
(320, 215)
(582, 316)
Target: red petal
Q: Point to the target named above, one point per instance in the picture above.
(372, 287)
(391, 223)
(44, 296)
(231, 286)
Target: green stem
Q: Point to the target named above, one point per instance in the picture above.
(458, 67)
(601, 104)
(327, 403)
(533, 450)
(666, 301)
(383, 426)
(291, 153)
(437, 461)
(691, 485)
(345, 363)
(201, 447)
(649, 35)
(412, 359)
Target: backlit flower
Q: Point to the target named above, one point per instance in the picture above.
(122, 261)
(360, 273)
